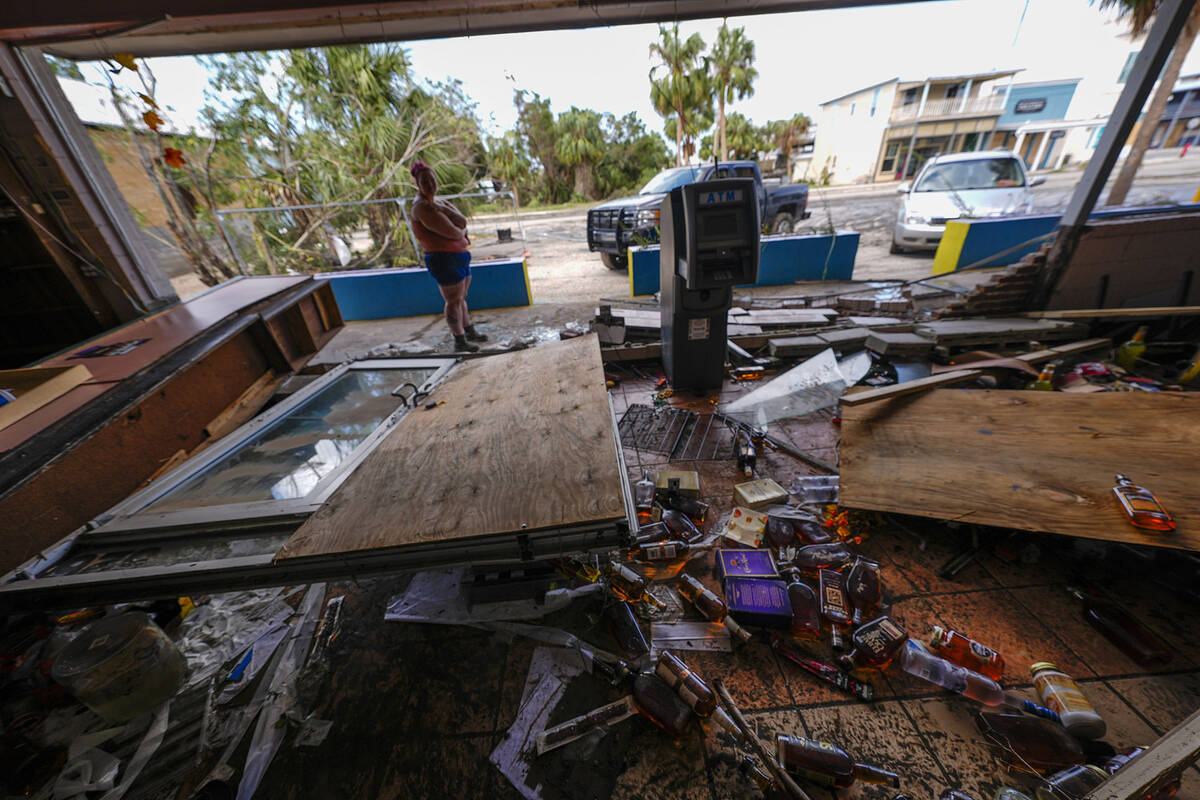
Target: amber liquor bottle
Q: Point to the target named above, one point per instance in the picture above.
(814, 557)
(806, 608)
(966, 652)
(1141, 506)
(662, 551)
(681, 526)
(875, 644)
(711, 606)
(1117, 625)
(827, 764)
(864, 589)
(834, 608)
(629, 586)
(659, 703)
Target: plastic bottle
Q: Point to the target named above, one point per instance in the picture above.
(1072, 783)
(920, 663)
(864, 589)
(1061, 694)
(826, 764)
(806, 610)
(1045, 380)
(1141, 506)
(1123, 630)
(681, 527)
(966, 652)
(1128, 353)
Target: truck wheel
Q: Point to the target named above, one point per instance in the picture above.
(783, 223)
(614, 261)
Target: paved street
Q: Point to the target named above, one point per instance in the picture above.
(561, 269)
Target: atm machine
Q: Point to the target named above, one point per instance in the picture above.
(709, 245)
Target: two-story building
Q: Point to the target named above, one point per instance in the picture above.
(887, 130)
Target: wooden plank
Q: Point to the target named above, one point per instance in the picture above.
(1038, 461)
(1174, 752)
(899, 343)
(1109, 313)
(524, 441)
(995, 329)
(34, 387)
(787, 316)
(245, 407)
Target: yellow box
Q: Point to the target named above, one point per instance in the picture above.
(689, 482)
(759, 494)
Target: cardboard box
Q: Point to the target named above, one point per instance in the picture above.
(34, 387)
(759, 494)
(745, 527)
(689, 482)
(733, 563)
(756, 601)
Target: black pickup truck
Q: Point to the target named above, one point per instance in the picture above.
(615, 225)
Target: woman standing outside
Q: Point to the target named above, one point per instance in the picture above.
(442, 231)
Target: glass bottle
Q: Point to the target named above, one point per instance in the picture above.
(573, 567)
(1061, 694)
(766, 783)
(1029, 742)
(690, 686)
(864, 589)
(1045, 380)
(654, 532)
(711, 606)
(1129, 352)
(681, 527)
(629, 586)
(966, 652)
(1009, 793)
(826, 764)
(875, 644)
(625, 630)
(643, 498)
(806, 609)
(1164, 787)
(814, 557)
(1072, 782)
(1141, 506)
(662, 551)
(920, 663)
(696, 510)
(747, 456)
(660, 704)
(833, 605)
(1123, 630)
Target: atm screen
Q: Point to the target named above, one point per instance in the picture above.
(719, 225)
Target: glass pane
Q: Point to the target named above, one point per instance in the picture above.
(288, 458)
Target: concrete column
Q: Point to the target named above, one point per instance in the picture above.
(966, 96)
(916, 126)
(1041, 151)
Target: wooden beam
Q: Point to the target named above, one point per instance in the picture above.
(1105, 313)
(1174, 752)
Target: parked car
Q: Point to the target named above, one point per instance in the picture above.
(975, 185)
(615, 225)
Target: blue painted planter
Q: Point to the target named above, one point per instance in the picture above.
(783, 260)
(412, 291)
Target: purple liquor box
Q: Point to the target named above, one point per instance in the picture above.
(757, 601)
(738, 563)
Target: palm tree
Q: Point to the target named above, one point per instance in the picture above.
(733, 75)
(744, 139)
(580, 145)
(1139, 13)
(786, 133)
(508, 161)
(682, 89)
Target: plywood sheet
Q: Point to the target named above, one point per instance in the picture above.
(1038, 461)
(524, 441)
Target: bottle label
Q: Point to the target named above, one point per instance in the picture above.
(1060, 694)
(789, 765)
(981, 651)
(661, 552)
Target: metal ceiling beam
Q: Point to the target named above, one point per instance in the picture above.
(85, 29)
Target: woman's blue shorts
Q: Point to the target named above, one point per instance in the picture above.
(448, 268)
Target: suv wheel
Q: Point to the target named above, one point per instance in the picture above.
(783, 223)
(614, 261)
(895, 249)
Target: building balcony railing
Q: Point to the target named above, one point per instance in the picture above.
(950, 107)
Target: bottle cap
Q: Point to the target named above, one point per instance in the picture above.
(1039, 666)
(936, 635)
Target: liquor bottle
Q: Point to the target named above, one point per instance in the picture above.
(662, 551)
(1072, 782)
(864, 589)
(1141, 506)
(625, 630)
(833, 605)
(573, 567)
(966, 652)
(826, 672)
(1029, 742)
(806, 608)
(711, 606)
(629, 586)
(1163, 787)
(1128, 353)
(747, 456)
(654, 532)
(567, 732)
(643, 498)
(1045, 380)
(812, 558)
(1009, 793)
(1123, 630)
(659, 703)
(689, 686)
(1062, 695)
(826, 764)
(766, 783)
(920, 663)
(696, 510)
(681, 527)
(874, 644)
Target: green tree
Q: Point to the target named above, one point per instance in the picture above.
(679, 87)
(632, 155)
(508, 161)
(537, 128)
(579, 146)
(732, 74)
(64, 67)
(1139, 13)
(786, 134)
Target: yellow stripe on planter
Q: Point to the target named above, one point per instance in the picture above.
(950, 248)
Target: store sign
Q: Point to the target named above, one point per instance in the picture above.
(1031, 106)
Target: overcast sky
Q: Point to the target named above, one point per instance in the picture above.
(803, 58)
